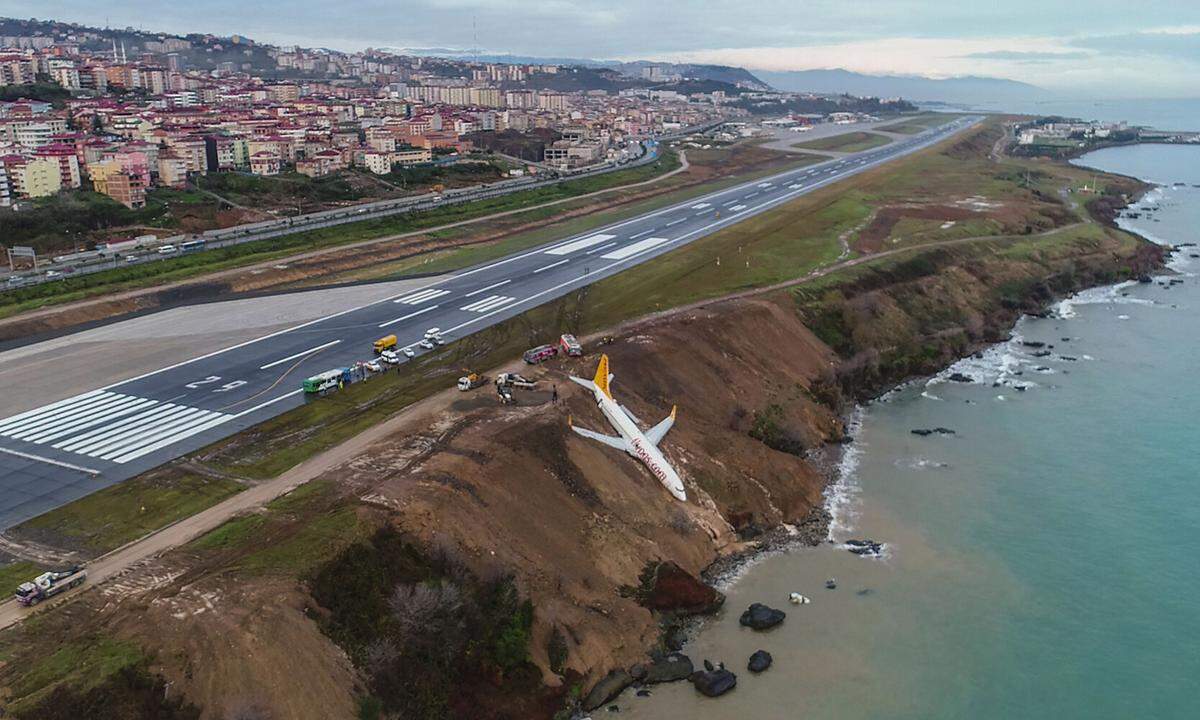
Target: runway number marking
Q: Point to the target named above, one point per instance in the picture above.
(206, 381)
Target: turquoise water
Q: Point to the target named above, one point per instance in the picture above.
(1041, 562)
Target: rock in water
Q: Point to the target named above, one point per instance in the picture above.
(960, 377)
(761, 617)
(607, 689)
(713, 683)
(759, 661)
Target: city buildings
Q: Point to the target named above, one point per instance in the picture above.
(149, 110)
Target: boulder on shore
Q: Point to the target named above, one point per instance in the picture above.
(607, 690)
(713, 683)
(759, 661)
(666, 587)
(960, 377)
(670, 668)
(761, 617)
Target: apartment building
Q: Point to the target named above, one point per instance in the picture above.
(265, 162)
(32, 177)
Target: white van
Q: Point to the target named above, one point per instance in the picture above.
(432, 333)
(166, 249)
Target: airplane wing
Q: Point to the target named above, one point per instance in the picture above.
(610, 440)
(656, 433)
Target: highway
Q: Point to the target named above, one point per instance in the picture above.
(66, 449)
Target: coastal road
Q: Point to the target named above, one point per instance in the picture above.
(73, 446)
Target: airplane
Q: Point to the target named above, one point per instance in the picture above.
(631, 438)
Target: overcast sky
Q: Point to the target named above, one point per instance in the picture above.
(1100, 48)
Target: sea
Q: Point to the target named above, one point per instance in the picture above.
(1043, 561)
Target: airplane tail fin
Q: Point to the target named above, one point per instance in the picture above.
(602, 376)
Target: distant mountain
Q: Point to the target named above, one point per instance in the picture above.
(968, 89)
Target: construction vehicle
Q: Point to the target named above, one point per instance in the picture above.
(569, 346)
(49, 584)
(470, 381)
(387, 342)
(506, 382)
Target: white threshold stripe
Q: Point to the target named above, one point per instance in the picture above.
(6, 422)
(423, 297)
(132, 423)
(141, 440)
(675, 222)
(60, 418)
(492, 302)
(602, 248)
(479, 303)
(635, 248)
(416, 296)
(644, 232)
(410, 315)
(121, 460)
(260, 406)
(300, 354)
(43, 417)
(87, 446)
(580, 244)
(137, 407)
(701, 206)
(735, 208)
(493, 286)
(49, 461)
(551, 265)
(121, 440)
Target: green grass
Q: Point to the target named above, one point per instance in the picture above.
(126, 511)
(15, 573)
(847, 142)
(292, 535)
(81, 663)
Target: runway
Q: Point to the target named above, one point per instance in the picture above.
(55, 453)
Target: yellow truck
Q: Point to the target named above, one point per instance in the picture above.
(386, 342)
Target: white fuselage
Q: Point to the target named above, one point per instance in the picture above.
(639, 446)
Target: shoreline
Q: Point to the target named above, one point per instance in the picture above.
(831, 460)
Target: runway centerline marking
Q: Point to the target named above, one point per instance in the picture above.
(493, 286)
(300, 354)
(551, 265)
(410, 315)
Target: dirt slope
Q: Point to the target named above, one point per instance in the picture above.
(512, 487)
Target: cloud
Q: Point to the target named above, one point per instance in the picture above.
(1181, 43)
(1029, 56)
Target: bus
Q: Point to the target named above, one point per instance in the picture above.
(192, 246)
(323, 381)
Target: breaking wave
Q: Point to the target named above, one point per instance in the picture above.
(842, 496)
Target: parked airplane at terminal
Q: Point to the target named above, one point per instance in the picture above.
(641, 445)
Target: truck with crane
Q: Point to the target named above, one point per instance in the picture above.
(49, 584)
